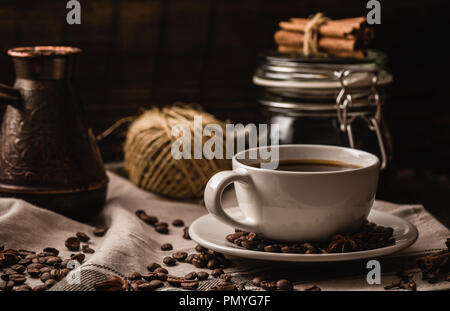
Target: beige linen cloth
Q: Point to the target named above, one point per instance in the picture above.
(130, 245)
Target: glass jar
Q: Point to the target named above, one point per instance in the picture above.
(327, 101)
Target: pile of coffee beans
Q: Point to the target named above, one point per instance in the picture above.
(18, 265)
(157, 276)
(370, 236)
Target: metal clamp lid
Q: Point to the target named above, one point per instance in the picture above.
(344, 102)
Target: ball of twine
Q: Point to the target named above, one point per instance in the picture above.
(148, 157)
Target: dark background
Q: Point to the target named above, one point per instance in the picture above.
(143, 53)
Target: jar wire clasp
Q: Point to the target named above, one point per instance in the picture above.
(344, 102)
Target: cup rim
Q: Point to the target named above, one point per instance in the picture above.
(376, 163)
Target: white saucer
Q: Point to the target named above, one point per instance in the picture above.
(209, 232)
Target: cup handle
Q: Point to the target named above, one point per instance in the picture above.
(213, 198)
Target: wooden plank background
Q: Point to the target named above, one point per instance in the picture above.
(143, 53)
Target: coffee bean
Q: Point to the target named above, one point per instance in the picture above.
(65, 272)
(202, 275)
(217, 272)
(162, 229)
(161, 276)
(30, 256)
(45, 276)
(284, 284)
(15, 276)
(100, 231)
(51, 250)
(24, 253)
(112, 283)
(161, 270)
(249, 244)
(50, 282)
(150, 276)
(166, 247)
(226, 287)
(200, 249)
(226, 277)
(83, 237)
(24, 262)
(234, 236)
(135, 276)
(169, 261)
(251, 236)
(189, 258)
(19, 280)
(6, 285)
(45, 269)
(87, 249)
(35, 266)
(23, 288)
(39, 288)
(257, 280)
(268, 285)
(273, 248)
(140, 212)
(53, 260)
(44, 254)
(212, 264)
(190, 276)
(180, 256)
(8, 259)
(178, 223)
(9, 271)
(198, 263)
(18, 268)
(186, 233)
(312, 288)
(189, 284)
(78, 257)
(151, 267)
(150, 286)
(73, 244)
(174, 281)
(56, 274)
(135, 284)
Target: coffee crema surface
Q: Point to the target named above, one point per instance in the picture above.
(311, 165)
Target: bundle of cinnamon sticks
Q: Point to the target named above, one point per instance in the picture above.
(346, 38)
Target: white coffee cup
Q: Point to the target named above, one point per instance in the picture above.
(298, 205)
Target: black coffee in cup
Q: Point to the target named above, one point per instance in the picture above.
(311, 165)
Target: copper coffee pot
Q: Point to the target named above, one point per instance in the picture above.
(48, 156)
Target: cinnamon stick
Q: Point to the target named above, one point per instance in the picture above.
(285, 49)
(295, 39)
(349, 27)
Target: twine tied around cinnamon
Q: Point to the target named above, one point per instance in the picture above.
(310, 44)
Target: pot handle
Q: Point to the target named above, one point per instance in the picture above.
(9, 96)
